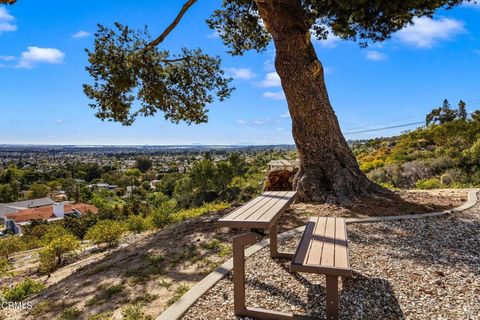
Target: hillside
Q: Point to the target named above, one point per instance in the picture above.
(440, 155)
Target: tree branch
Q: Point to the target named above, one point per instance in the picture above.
(8, 1)
(172, 26)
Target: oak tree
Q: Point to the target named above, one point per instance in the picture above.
(135, 75)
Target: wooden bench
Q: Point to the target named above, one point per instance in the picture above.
(323, 249)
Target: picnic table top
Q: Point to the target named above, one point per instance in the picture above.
(261, 212)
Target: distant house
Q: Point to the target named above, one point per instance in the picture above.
(102, 186)
(14, 207)
(20, 216)
(283, 164)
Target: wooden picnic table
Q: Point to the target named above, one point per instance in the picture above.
(322, 249)
(258, 215)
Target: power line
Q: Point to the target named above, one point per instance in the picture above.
(474, 102)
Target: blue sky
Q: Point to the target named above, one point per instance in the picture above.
(42, 62)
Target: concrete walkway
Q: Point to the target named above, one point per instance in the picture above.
(178, 309)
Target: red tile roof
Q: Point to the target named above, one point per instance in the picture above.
(80, 207)
(42, 213)
(45, 213)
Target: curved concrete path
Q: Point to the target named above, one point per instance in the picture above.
(180, 307)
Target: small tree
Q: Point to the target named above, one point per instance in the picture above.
(441, 115)
(462, 110)
(38, 190)
(162, 216)
(137, 224)
(106, 232)
(10, 245)
(143, 163)
(53, 255)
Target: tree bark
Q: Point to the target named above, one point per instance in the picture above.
(328, 171)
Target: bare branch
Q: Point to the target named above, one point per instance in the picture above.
(172, 26)
(8, 1)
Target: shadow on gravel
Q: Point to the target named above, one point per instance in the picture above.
(361, 297)
(369, 298)
(436, 241)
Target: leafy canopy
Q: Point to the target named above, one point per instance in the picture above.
(133, 77)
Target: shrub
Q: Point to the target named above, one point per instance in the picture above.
(10, 245)
(106, 232)
(196, 212)
(137, 224)
(23, 290)
(163, 215)
(432, 183)
(53, 255)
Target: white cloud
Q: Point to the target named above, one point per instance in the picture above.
(36, 55)
(375, 55)
(259, 122)
(285, 115)
(280, 129)
(81, 34)
(213, 35)
(271, 79)
(5, 21)
(331, 41)
(240, 73)
(7, 58)
(426, 32)
(59, 121)
(278, 95)
(241, 122)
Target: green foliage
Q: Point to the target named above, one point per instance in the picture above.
(38, 190)
(196, 212)
(126, 68)
(446, 154)
(53, 255)
(431, 183)
(162, 215)
(106, 232)
(240, 28)
(137, 224)
(143, 163)
(10, 245)
(23, 290)
(70, 314)
(134, 312)
(179, 292)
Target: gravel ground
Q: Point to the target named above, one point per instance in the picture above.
(417, 269)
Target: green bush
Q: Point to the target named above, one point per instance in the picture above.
(23, 290)
(106, 232)
(196, 212)
(137, 224)
(53, 255)
(163, 215)
(431, 183)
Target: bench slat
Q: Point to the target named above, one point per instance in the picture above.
(247, 206)
(258, 214)
(341, 251)
(323, 248)
(316, 243)
(304, 246)
(283, 202)
(328, 253)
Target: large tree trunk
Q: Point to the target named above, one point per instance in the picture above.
(328, 171)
